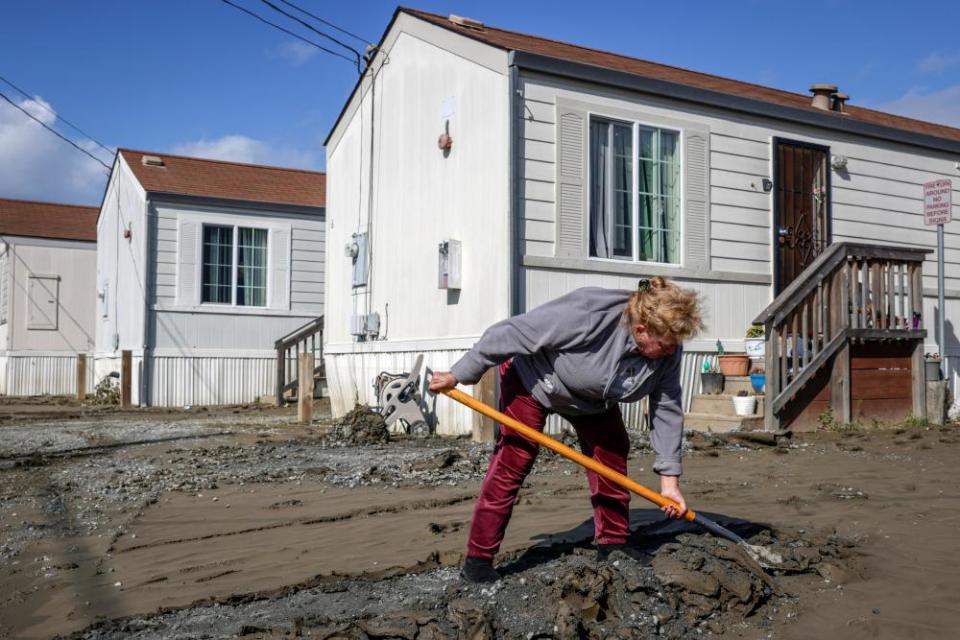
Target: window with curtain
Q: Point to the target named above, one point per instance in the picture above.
(234, 269)
(252, 268)
(634, 192)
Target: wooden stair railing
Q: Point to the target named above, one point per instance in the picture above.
(306, 339)
(852, 291)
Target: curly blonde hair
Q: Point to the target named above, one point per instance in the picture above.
(665, 309)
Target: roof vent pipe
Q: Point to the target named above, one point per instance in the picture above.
(839, 100)
(822, 94)
(466, 22)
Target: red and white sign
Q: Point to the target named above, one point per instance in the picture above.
(937, 200)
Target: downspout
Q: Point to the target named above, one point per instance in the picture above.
(10, 277)
(513, 208)
(148, 258)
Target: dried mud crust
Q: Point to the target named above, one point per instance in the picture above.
(696, 585)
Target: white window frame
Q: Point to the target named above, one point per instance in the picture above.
(636, 125)
(236, 226)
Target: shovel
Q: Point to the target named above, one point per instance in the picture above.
(758, 554)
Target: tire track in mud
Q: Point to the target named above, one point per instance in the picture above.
(405, 507)
(38, 459)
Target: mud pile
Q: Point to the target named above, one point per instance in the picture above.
(362, 426)
(695, 586)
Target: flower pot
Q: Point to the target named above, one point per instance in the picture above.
(932, 369)
(758, 381)
(711, 383)
(754, 347)
(734, 365)
(744, 405)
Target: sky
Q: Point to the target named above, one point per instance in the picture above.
(198, 77)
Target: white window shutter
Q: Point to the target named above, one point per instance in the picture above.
(571, 182)
(188, 256)
(696, 174)
(279, 268)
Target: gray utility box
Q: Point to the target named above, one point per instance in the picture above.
(449, 272)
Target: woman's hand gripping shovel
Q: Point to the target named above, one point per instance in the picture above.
(758, 554)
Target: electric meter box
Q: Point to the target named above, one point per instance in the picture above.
(449, 255)
(358, 325)
(357, 251)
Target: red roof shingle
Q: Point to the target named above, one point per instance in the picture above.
(48, 220)
(513, 41)
(181, 175)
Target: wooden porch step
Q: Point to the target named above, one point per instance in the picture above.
(733, 384)
(719, 423)
(721, 404)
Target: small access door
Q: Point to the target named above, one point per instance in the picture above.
(801, 207)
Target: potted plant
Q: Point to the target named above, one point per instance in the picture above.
(711, 380)
(732, 364)
(932, 366)
(758, 379)
(744, 404)
(753, 344)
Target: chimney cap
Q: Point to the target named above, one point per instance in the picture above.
(823, 88)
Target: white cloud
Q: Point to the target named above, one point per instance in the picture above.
(296, 53)
(36, 165)
(941, 106)
(936, 63)
(238, 148)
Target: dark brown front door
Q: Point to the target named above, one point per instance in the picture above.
(801, 207)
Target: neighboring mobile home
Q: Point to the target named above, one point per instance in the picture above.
(557, 166)
(47, 287)
(201, 266)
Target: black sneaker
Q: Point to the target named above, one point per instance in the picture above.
(478, 570)
(640, 557)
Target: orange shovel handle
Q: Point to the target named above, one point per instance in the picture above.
(565, 451)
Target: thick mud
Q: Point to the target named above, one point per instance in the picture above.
(250, 526)
(695, 584)
(361, 426)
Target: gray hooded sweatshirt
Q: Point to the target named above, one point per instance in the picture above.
(576, 355)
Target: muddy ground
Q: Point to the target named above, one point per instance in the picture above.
(237, 523)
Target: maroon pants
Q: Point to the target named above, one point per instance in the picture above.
(602, 437)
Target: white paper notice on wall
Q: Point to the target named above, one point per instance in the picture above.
(448, 107)
(937, 202)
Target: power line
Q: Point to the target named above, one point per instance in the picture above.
(60, 117)
(314, 29)
(55, 132)
(329, 24)
(287, 31)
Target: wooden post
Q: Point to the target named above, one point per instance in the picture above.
(281, 370)
(771, 422)
(918, 370)
(126, 375)
(81, 377)
(840, 399)
(486, 392)
(305, 388)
